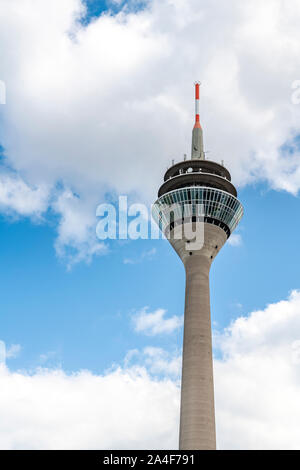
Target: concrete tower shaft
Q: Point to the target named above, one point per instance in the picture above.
(197, 197)
(197, 413)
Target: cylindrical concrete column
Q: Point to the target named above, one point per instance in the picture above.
(197, 414)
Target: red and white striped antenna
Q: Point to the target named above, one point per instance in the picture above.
(197, 137)
(197, 104)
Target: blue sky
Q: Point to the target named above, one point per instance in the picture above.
(83, 316)
(96, 7)
(97, 106)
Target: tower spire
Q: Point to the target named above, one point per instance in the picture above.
(197, 136)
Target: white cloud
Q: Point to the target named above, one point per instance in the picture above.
(258, 381)
(13, 351)
(136, 406)
(153, 323)
(124, 409)
(160, 361)
(48, 357)
(8, 352)
(17, 197)
(76, 234)
(77, 240)
(235, 239)
(156, 361)
(2, 352)
(81, 108)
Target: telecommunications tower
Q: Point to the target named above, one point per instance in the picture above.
(197, 197)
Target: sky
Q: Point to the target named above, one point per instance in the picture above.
(98, 101)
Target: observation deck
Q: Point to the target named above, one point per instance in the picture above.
(197, 190)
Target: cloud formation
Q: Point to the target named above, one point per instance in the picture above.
(119, 410)
(8, 352)
(154, 323)
(258, 381)
(77, 240)
(19, 198)
(156, 360)
(235, 239)
(136, 405)
(97, 107)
